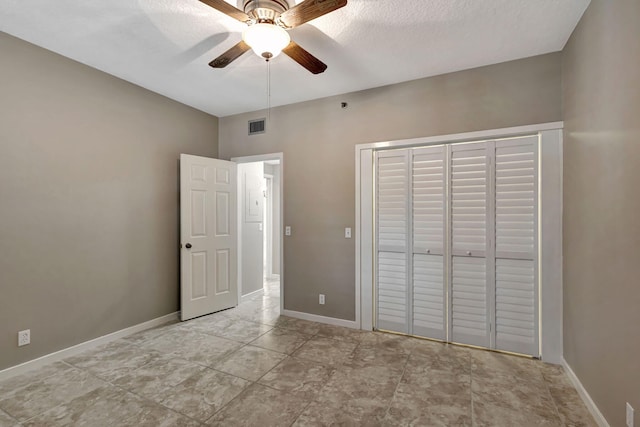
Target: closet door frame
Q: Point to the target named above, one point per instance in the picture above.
(549, 233)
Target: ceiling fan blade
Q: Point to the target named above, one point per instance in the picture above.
(226, 8)
(304, 58)
(229, 56)
(308, 10)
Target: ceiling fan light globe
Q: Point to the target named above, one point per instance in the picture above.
(266, 40)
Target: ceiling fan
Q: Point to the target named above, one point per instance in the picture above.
(268, 22)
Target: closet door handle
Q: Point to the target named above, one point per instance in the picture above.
(188, 245)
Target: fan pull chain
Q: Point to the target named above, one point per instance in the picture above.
(269, 90)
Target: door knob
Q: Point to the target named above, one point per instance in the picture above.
(188, 245)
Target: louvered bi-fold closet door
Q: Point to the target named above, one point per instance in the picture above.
(516, 194)
(471, 278)
(428, 202)
(392, 263)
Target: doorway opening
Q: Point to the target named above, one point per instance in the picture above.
(260, 222)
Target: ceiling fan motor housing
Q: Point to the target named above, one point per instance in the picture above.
(267, 11)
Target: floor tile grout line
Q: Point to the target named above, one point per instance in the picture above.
(395, 390)
(473, 420)
(149, 399)
(57, 372)
(69, 401)
(146, 398)
(311, 401)
(14, 419)
(252, 383)
(553, 399)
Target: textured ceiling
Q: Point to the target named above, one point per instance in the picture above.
(165, 45)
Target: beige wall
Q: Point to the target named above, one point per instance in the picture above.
(88, 200)
(601, 66)
(318, 139)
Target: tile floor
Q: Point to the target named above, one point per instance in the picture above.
(248, 366)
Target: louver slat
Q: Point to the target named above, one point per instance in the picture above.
(392, 202)
(428, 296)
(516, 194)
(392, 291)
(469, 301)
(515, 306)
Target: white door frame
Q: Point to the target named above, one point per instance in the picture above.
(550, 225)
(262, 158)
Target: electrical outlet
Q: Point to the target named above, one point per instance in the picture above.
(629, 415)
(24, 337)
(321, 299)
(347, 233)
(287, 230)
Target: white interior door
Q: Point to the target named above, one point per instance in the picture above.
(208, 235)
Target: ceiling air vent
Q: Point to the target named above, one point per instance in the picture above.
(256, 126)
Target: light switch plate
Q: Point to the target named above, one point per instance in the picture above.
(347, 233)
(287, 230)
(321, 299)
(260, 227)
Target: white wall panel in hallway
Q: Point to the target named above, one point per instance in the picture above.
(251, 201)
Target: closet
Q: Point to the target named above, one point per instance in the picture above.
(456, 242)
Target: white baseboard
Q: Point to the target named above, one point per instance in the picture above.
(321, 319)
(250, 295)
(87, 345)
(591, 406)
